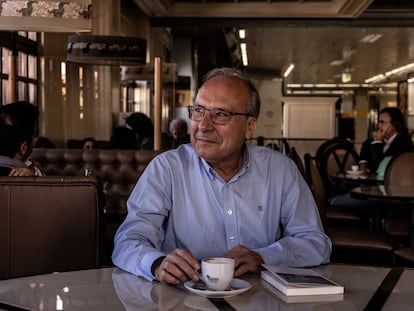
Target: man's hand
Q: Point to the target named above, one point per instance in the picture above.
(21, 171)
(378, 135)
(176, 267)
(364, 167)
(245, 260)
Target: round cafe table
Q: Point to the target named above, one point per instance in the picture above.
(385, 192)
(389, 193)
(352, 181)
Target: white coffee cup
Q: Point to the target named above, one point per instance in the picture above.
(217, 272)
(355, 168)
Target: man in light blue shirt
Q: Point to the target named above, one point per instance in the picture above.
(219, 196)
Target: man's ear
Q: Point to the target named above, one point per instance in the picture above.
(251, 126)
(23, 151)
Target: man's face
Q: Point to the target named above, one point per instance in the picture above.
(385, 126)
(178, 132)
(218, 143)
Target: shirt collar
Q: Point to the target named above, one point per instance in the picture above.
(390, 140)
(246, 159)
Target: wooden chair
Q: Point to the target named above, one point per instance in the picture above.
(50, 224)
(362, 243)
(298, 161)
(327, 144)
(400, 171)
(285, 148)
(335, 159)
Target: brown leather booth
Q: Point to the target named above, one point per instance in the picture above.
(50, 224)
(118, 170)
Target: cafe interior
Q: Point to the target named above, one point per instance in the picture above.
(323, 68)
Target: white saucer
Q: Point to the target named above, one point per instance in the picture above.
(237, 287)
(356, 177)
(349, 172)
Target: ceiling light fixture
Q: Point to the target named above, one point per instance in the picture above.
(389, 74)
(288, 70)
(371, 38)
(243, 48)
(399, 70)
(376, 78)
(337, 62)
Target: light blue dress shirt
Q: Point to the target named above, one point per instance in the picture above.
(181, 202)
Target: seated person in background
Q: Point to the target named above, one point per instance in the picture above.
(15, 147)
(179, 132)
(391, 139)
(43, 142)
(220, 196)
(88, 143)
(25, 116)
(123, 138)
(143, 129)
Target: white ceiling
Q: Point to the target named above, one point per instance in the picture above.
(290, 36)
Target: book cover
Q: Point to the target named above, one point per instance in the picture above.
(326, 298)
(295, 282)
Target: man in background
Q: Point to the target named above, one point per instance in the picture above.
(179, 132)
(23, 117)
(390, 139)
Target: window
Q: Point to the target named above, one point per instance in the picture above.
(19, 55)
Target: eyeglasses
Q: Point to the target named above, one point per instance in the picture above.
(217, 115)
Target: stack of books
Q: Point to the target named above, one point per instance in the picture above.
(300, 285)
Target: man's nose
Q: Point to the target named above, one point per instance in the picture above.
(206, 120)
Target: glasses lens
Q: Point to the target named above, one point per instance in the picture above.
(196, 113)
(219, 116)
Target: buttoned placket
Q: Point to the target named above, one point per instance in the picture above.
(230, 215)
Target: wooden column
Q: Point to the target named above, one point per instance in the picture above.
(157, 102)
(12, 79)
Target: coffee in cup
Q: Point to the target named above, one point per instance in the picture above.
(217, 272)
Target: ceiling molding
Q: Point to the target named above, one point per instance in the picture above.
(152, 7)
(255, 9)
(365, 20)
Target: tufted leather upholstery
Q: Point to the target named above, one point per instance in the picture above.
(118, 170)
(50, 224)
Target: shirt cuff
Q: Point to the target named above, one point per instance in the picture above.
(147, 262)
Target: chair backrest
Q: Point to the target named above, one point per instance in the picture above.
(400, 170)
(50, 223)
(316, 184)
(336, 159)
(327, 144)
(299, 163)
(286, 150)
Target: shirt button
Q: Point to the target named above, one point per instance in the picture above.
(229, 212)
(231, 238)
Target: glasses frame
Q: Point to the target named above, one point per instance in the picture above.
(213, 114)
